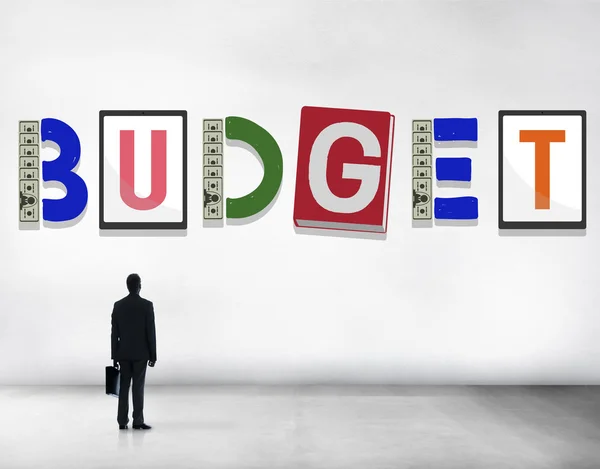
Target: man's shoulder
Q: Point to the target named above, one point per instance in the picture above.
(132, 301)
(120, 302)
(146, 301)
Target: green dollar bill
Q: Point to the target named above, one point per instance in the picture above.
(422, 198)
(29, 173)
(29, 127)
(29, 162)
(213, 198)
(422, 185)
(213, 160)
(214, 185)
(422, 160)
(213, 137)
(422, 172)
(212, 125)
(213, 211)
(422, 126)
(422, 212)
(212, 148)
(29, 150)
(421, 149)
(422, 137)
(29, 200)
(213, 171)
(29, 139)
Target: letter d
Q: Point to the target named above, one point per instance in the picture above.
(244, 130)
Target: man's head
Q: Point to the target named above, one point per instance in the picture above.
(134, 283)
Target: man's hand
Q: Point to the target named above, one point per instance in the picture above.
(151, 364)
(116, 364)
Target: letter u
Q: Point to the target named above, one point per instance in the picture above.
(158, 170)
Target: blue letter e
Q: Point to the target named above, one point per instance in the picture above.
(61, 170)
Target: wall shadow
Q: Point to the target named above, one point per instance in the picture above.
(54, 146)
(142, 233)
(456, 144)
(29, 225)
(213, 223)
(339, 233)
(65, 224)
(267, 209)
(443, 222)
(542, 233)
(422, 223)
(454, 184)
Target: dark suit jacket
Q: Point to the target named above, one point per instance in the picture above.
(133, 334)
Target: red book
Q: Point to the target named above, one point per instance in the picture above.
(344, 168)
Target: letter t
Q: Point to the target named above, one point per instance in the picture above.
(542, 140)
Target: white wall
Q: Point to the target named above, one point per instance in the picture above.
(260, 302)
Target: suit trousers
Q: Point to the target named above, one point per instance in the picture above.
(135, 370)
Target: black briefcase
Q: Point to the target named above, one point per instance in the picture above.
(113, 381)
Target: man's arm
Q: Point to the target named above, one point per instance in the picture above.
(151, 333)
(114, 335)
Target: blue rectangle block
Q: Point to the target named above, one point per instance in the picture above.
(455, 208)
(453, 169)
(455, 129)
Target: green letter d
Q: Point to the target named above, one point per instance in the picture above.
(244, 130)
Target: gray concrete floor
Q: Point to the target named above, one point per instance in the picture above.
(305, 427)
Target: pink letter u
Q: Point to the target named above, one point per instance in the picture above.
(158, 171)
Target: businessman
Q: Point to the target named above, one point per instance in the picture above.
(133, 346)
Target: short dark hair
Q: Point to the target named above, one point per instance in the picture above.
(133, 283)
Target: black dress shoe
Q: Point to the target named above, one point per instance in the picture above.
(122, 427)
(143, 426)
